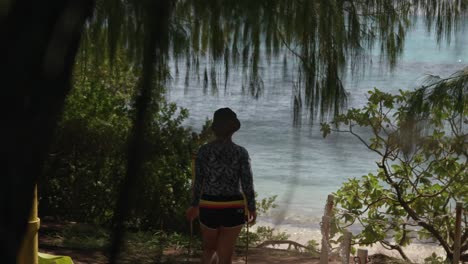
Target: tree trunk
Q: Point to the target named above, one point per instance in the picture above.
(38, 48)
(155, 51)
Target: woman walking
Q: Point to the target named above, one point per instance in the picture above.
(222, 190)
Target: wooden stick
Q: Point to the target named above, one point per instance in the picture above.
(362, 256)
(346, 247)
(329, 206)
(457, 238)
(325, 237)
(326, 229)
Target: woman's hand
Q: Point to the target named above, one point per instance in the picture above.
(251, 217)
(192, 213)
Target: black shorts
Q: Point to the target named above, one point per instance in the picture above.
(221, 217)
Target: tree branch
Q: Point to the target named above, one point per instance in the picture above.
(412, 213)
(397, 248)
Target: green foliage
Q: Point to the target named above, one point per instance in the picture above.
(323, 37)
(312, 246)
(434, 259)
(87, 161)
(164, 188)
(422, 166)
(262, 233)
(264, 205)
(76, 235)
(84, 236)
(140, 247)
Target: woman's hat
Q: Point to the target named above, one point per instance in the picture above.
(225, 121)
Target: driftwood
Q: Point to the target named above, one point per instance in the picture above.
(290, 243)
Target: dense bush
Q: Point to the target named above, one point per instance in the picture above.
(87, 161)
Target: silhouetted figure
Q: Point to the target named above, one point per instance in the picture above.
(223, 177)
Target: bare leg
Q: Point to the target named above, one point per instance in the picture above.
(227, 238)
(210, 239)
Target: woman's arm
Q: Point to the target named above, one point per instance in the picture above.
(246, 178)
(199, 178)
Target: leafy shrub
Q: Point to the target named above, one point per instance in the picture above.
(421, 167)
(87, 161)
(261, 233)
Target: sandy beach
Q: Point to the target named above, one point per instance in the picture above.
(417, 252)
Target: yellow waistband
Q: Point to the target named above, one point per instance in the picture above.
(227, 204)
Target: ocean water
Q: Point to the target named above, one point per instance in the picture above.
(298, 164)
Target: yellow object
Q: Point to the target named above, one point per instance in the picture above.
(28, 253)
(51, 259)
(222, 204)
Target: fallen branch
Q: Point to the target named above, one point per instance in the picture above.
(290, 243)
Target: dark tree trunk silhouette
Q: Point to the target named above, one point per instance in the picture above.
(37, 50)
(155, 50)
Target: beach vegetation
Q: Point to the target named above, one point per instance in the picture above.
(136, 128)
(420, 142)
(86, 162)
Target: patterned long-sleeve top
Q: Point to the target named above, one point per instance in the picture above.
(223, 169)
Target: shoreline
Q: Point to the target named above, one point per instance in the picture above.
(416, 252)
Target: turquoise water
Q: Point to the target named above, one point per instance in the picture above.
(297, 164)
